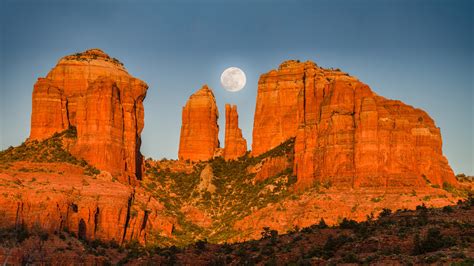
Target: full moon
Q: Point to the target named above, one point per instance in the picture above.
(233, 79)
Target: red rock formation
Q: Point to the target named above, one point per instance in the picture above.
(90, 207)
(199, 129)
(275, 112)
(269, 167)
(94, 93)
(346, 134)
(235, 144)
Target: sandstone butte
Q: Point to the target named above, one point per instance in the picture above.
(94, 93)
(235, 145)
(199, 130)
(345, 133)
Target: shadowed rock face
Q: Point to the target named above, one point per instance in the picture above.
(199, 130)
(94, 93)
(235, 144)
(345, 133)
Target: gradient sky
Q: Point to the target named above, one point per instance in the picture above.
(420, 52)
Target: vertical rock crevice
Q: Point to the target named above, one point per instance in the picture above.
(127, 217)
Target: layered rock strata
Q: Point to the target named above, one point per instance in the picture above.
(235, 144)
(199, 130)
(94, 93)
(346, 134)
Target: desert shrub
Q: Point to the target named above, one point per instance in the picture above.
(22, 233)
(421, 207)
(322, 224)
(267, 251)
(201, 244)
(455, 191)
(350, 258)
(433, 241)
(377, 199)
(91, 171)
(363, 230)
(267, 233)
(385, 212)
(333, 244)
(448, 209)
(348, 224)
(226, 248)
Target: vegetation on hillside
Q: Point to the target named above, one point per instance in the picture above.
(236, 195)
(422, 236)
(50, 150)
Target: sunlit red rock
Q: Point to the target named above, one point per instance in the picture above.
(199, 130)
(90, 207)
(345, 133)
(235, 144)
(276, 108)
(269, 167)
(94, 93)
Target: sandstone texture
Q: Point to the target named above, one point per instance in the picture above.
(205, 180)
(199, 130)
(235, 144)
(276, 109)
(90, 207)
(332, 205)
(94, 93)
(269, 167)
(346, 134)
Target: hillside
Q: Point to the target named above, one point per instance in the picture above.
(178, 203)
(422, 236)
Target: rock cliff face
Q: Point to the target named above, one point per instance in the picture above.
(199, 130)
(94, 93)
(235, 144)
(90, 207)
(276, 109)
(346, 134)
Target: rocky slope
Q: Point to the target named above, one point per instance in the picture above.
(235, 144)
(345, 133)
(94, 93)
(199, 129)
(44, 186)
(420, 237)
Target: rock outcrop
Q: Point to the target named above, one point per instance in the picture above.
(90, 207)
(276, 109)
(94, 93)
(269, 167)
(235, 144)
(199, 130)
(205, 180)
(346, 134)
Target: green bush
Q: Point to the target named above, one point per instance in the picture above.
(385, 213)
(448, 209)
(350, 258)
(348, 224)
(433, 241)
(322, 224)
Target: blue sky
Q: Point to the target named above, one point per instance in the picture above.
(420, 52)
